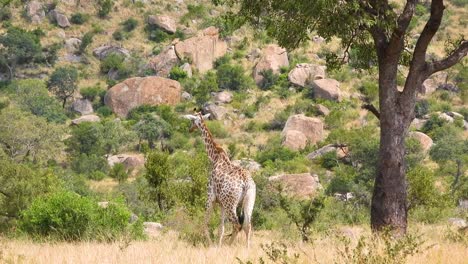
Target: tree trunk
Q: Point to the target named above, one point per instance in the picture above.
(389, 205)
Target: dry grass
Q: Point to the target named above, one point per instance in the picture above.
(169, 249)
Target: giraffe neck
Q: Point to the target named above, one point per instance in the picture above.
(215, 153)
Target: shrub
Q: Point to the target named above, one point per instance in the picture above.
(177, 73)
(104, 111)
(5, 14)
(158, 174)
(88, 164)
(119, 173)
(421, 108)
(67, 216)
(119, 35)
(63, 216)
(85, 42)
(97, 175)
(217, 129)
(232, 77)
(130, 24)
(156, 34)
(370, 89)
(104, 7)
(194, 12)
(79, 18)
(91, 92)
(269, 79)
(113, 61)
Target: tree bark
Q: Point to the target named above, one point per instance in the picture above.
(389, 205)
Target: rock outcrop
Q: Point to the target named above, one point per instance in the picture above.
(302, 185)
(82, 106)
(202, 50)
(165, 23)
(310, 127)
(133, 92)
(248, 164)
(60, 19)
(35, 11)
(273, 58)
(103, 51)
(164, 61)
(304, 73)
(327, 89)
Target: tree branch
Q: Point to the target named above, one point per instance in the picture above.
(371, 108)
(456, 56)
(403, 22)
(431, 27)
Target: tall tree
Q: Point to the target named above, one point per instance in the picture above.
(377, 30)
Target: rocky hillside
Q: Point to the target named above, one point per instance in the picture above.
(91, 88)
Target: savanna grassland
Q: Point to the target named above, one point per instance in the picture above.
(92, 174)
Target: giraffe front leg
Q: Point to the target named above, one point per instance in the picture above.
(208, 211)
(221, 228)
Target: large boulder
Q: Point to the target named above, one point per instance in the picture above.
(310, 127)
(202, 50)
(423, 139)
(86, 118)
(35, 11)
(103, 51)
(82, 106)
(304, 73)
(428, 87)
(72, 45)
(164, 61)
(165, 23)
(302, 185)
(273, 58)
(217, 112)
(132, 162)
(133, 92)
(294, 139)
(60, 19)
(327, 89)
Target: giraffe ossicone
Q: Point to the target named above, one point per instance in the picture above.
(229, 185)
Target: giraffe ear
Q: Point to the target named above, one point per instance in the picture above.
(206, 116)
(189, 117)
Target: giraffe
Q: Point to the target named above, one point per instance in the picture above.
(229, 185)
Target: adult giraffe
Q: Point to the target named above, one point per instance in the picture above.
(228, 185)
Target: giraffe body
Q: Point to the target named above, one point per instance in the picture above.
(229, 185)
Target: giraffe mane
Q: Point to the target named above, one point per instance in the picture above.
(218, 148)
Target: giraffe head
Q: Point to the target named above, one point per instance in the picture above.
(197, 120)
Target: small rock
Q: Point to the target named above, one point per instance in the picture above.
(103, 51)
(72, 45)
(164, 62)
(304, 73)
(327, 89)
(425, 141)
(86, 118)
(187, 69)
(152, 229)
(82, 106)
(458, 222)
(223, 97)
(133, 218)
(418, 123)
(186, 96)
(103, 204)
(166, 23)
(217, 112)
(321, 151)
(310, 127)
(301, 186)
(274, 57)
(35, 12)
(323, 110)
(248, 164)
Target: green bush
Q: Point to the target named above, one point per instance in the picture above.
(104, 111)
(329, 160)
(232, 77)
(156, 34)
(421, 108)
(119, 173)
(119, 35)
(130, 24)
(79, 18)
(217, 129)
(67, 216)
(269, 79)
(92, 92)
(88, 164)
(177, 73)
(194, 12)
(460, 3)
(97, 175)
(113, 61)
(104, 7)
(62, 215)
(86, 40)
(370, 89)
(5, 14)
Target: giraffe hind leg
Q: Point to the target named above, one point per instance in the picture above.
(236, 227)
(247, 207)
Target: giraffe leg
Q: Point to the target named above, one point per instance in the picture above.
(247, 207)
(208, 211)
(236, 227)
(221, 227)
